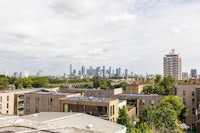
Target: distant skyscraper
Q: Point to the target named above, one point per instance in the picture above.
(110, 72)
(74, 72)
(120, 71)
(185, 76)
(126, 74)
(83, 71)
(21, 75)
(104, 71)
(98, 71)
(172, 65)
(71, 73)
(26, 74)
(39, 73)
(15, 74)
(193, 73)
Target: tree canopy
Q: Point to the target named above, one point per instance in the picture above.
(160, 86)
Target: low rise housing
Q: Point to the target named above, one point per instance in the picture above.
(105, 108)
(190, 93)
(12, 101)
(106, 93)
(36, 102)
(137, 100)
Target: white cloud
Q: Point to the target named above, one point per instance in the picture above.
(125, 19)
(77, 7)
(132, 34)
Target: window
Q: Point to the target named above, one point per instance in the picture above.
(27, 108)
(184, 101)
(50, 101)
(193, 111)
(7, 98)
(0, 98)
(143, 102)
(36, 109)
(7, 111)
(49, 109)
(7, 105)
(37, 100)
(193, 92)
(100, 108)
(152, 102)
(28, 100)
(0, 106)
(113, 109)
(183, 92)
(193, 101)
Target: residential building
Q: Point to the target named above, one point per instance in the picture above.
(109, 93)
(172, 65)
(134, 89)
(137, 100)
(105, 108)
(36, 102)
(12, 101)
(190, 93)
(59, 122)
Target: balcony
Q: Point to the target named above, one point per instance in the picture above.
(21, 98)
(21, 105)
(20, 112)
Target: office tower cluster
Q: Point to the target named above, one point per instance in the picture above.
(98, 72)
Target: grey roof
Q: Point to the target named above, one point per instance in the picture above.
(62, 122)
(92, 99)
(18, 91)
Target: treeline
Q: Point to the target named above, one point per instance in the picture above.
(160, 86)
(166, 117)
(37, 82)
(19, 83)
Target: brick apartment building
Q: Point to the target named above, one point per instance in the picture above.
(12, 101)
(190, 94)
(138, 100)
(109, 93)
(105, 108)
(36, 102)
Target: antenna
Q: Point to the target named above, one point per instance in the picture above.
(172, 50)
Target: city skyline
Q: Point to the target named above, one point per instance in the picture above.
(50, 35)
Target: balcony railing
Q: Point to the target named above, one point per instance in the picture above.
(20, 105)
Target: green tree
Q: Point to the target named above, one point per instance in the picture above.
(4, 83)
(124, 119)
(103, 83)
(175, 103)
(167, 83)
(40, 82)
(147, 114)
(157, 79)
(23, 82)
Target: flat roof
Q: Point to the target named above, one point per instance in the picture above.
(53, 93)
(7, 117)
(62, 122)
(18, 91)
(91, 99)
(138, 95)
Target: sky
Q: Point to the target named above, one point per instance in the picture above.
(49, 35)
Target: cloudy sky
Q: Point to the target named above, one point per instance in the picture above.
(49, 35)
